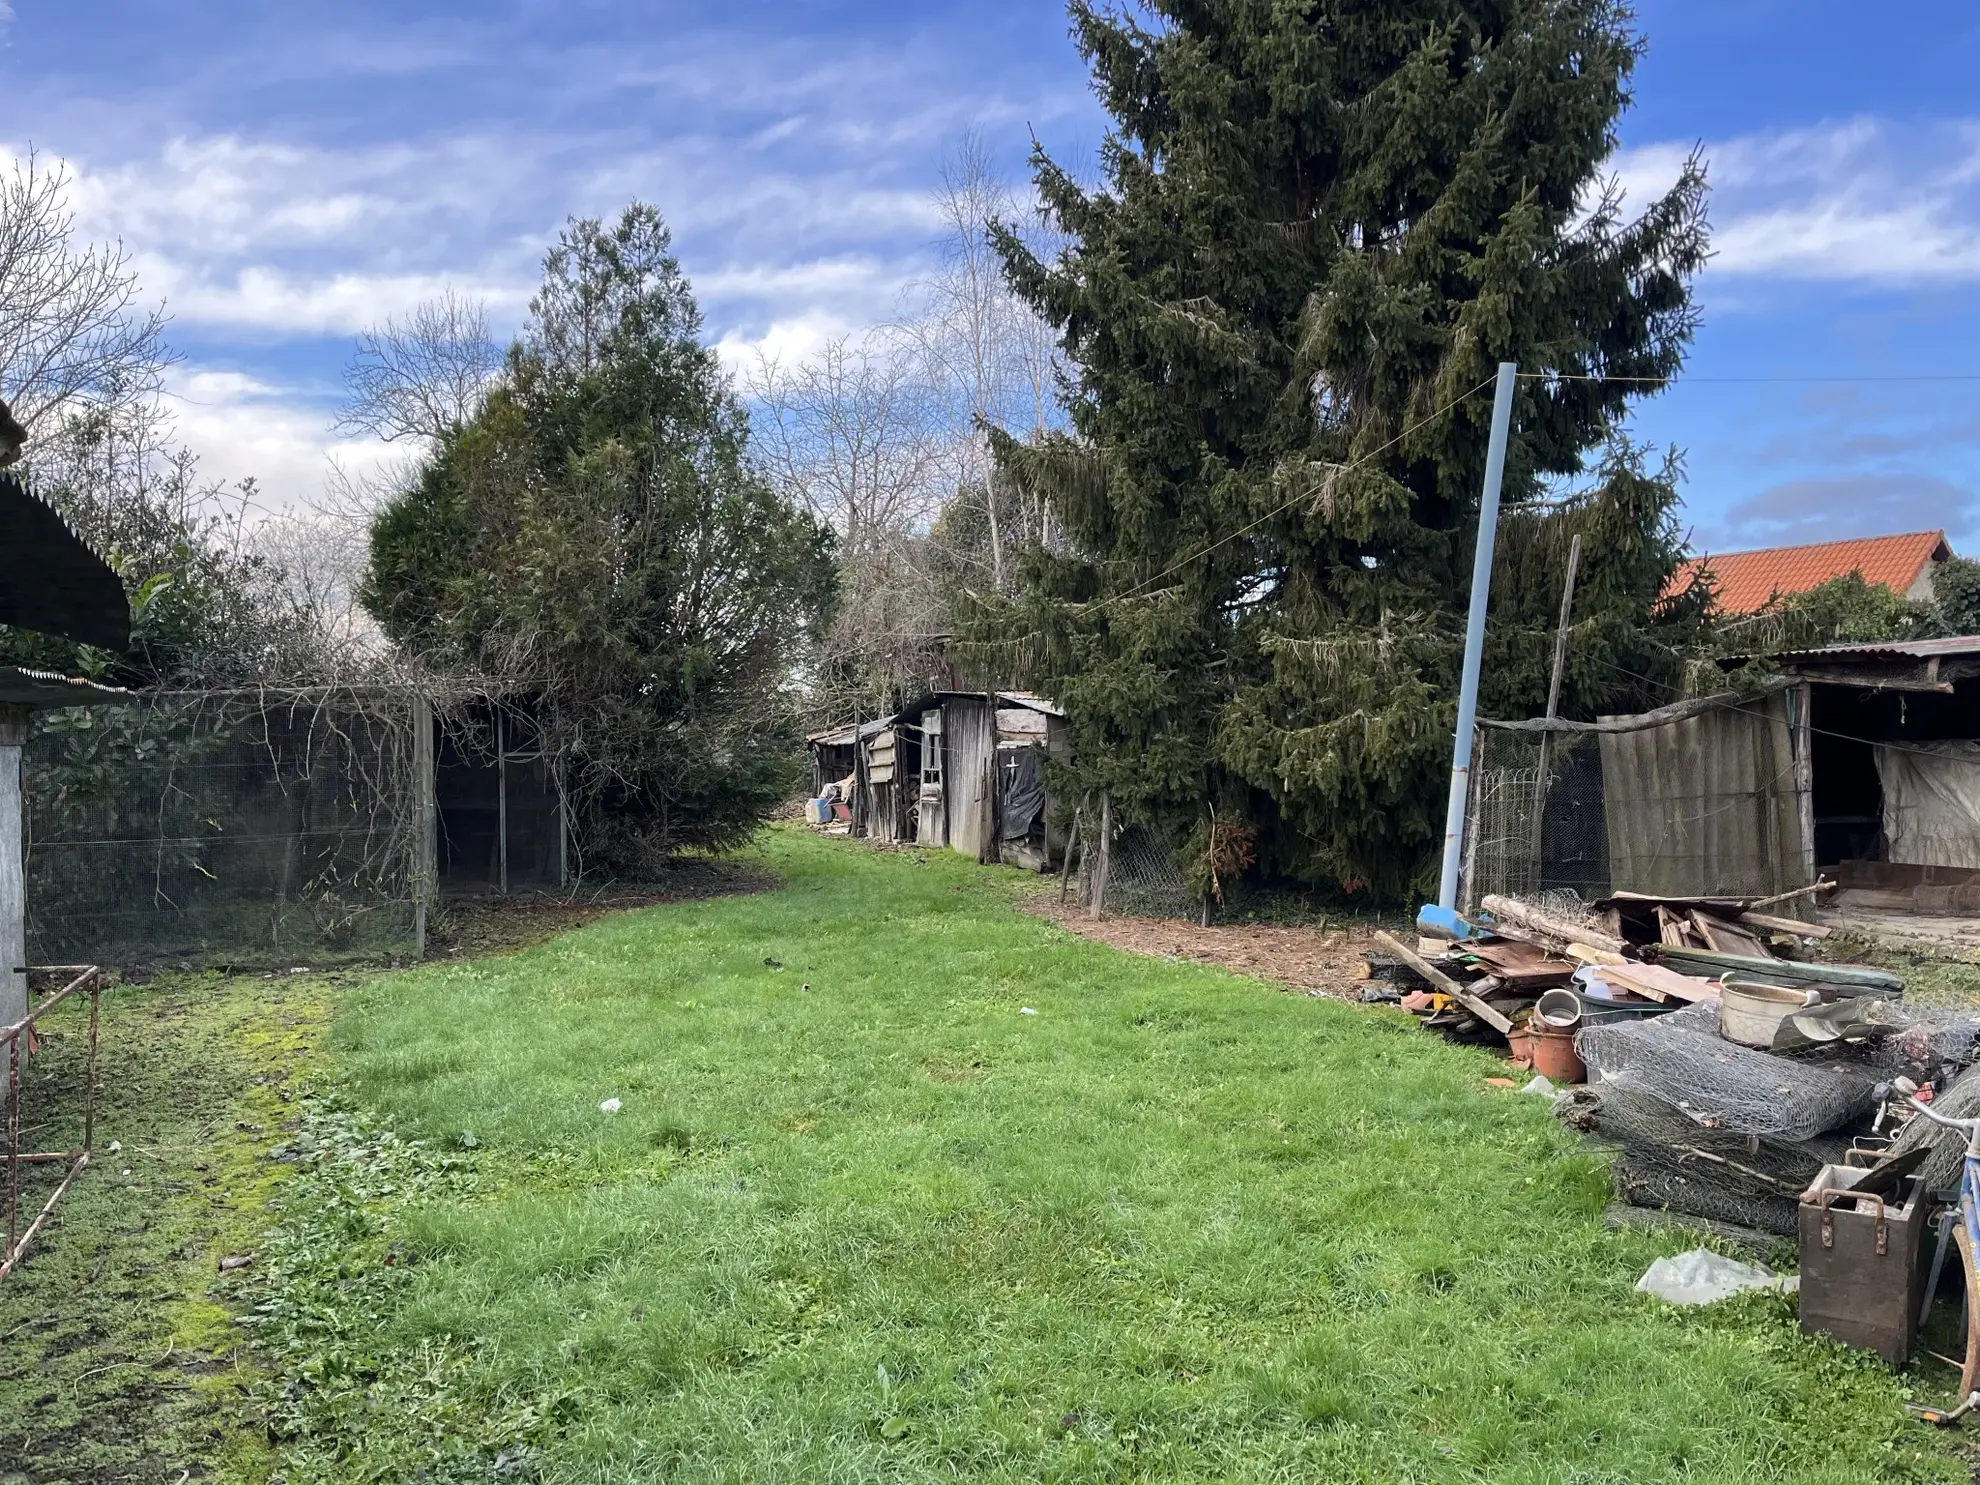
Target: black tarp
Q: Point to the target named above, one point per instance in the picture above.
(50, 581)
(1020, 792)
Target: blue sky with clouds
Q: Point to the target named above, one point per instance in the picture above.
(286, 173)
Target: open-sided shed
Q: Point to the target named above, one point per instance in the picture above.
(1858, 762)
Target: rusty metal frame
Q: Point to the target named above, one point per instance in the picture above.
(84, 977)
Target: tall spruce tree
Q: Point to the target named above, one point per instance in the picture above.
(1322, 223)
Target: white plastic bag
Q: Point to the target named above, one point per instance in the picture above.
(1702, 1277)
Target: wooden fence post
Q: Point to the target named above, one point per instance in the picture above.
(1106, 864)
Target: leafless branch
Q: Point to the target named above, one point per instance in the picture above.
(71, 329)
(418, 377)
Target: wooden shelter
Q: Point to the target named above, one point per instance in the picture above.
(53, 583)
(961, 769)
(1859, 763)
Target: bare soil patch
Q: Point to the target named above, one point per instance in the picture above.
(493, 924)
(1331, 961)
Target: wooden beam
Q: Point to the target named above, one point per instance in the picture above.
(1663, 716)
(1519, 914)
(1445, 984)
(1784, 925)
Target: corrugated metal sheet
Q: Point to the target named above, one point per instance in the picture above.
(1913, 649)
(1705, 806)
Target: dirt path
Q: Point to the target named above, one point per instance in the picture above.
(1330, 962)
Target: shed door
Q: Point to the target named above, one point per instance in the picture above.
(968, 747)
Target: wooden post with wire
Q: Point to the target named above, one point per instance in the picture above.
(1554, 699)
(1106, 863)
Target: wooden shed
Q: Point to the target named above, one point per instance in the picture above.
(964, 769)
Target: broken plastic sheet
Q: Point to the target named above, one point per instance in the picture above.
(1702, 1277)
(1931, 802)
(1022, 798)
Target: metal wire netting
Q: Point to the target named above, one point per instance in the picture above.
(1143, 879)
(1537, 818)
(229, 827)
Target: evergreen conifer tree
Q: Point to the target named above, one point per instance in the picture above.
(1321, 225)
(596, 534)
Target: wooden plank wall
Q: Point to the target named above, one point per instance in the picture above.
(968, 741)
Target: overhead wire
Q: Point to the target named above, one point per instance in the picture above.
(1230, 536)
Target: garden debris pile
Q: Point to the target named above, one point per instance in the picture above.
(1727, 1067)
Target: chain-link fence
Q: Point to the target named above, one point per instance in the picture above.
(225, 827)
(1143, 880)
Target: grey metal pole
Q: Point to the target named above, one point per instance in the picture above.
(1474, 635)
(13, 870)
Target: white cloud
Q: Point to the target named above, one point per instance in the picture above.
(244, 427)
(1863, 201)
(272, 300)
(786, 340)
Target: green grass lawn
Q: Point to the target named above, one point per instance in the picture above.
(862, 1217)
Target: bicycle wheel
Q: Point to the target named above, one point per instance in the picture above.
(1969, 1373)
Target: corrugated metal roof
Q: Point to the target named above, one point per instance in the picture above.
(42, 689)
(842, 737)
(1749, 581)
(1914, 649)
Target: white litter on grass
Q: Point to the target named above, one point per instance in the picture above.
(610, 1106)
(1025, 1010)
(116, 1146)
(1540, 1084)
(1702, 1277)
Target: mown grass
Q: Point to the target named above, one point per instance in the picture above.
(861, 1217)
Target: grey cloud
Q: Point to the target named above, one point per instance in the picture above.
(1833, 509)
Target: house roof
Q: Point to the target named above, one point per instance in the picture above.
(1749, 581)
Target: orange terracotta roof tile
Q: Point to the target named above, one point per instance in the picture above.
(1748, 581)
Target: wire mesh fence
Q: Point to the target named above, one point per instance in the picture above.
(1538, 821)
(224, 826)
(1143, 880)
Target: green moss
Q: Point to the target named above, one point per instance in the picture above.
(122, 1359)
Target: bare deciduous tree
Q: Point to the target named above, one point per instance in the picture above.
(72, 331)
(987, 356)
(854, 434)
(418, 377)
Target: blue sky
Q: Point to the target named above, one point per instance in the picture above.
(286, 173)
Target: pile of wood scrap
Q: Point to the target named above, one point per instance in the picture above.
(1630, 954)
(1701, 1123)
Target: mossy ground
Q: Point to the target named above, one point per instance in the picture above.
(120, 1358)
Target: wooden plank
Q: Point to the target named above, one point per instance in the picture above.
(1520, 915)
(1445, 983)
(1784, 925)
(1725, 938)
(1658, 982)
(1673, 928)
